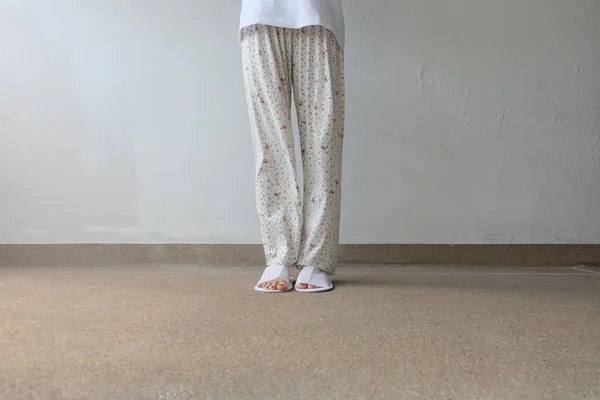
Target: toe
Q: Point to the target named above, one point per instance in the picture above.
(281, 286)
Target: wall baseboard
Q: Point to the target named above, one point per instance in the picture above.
(252, 254)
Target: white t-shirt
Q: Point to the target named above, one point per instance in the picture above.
(295, 14)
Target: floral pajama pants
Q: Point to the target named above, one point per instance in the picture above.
(309, 64)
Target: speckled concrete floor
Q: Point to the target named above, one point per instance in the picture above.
(185, 332)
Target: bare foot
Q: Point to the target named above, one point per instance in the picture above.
(303, 286)
(275, 284)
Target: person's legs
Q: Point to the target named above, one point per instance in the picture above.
(318, 82)
(266, 54)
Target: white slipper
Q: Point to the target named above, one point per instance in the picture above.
(316, 277)
(274, 272)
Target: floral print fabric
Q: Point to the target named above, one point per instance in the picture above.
(309, 64)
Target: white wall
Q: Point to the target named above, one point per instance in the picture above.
(469, 121)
